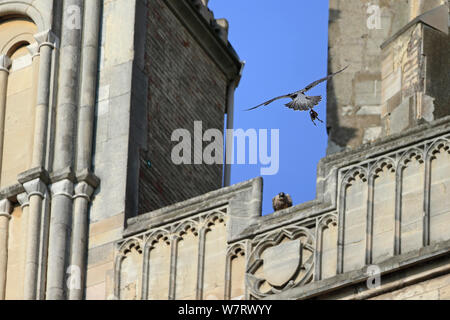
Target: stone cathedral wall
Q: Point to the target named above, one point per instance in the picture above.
(388, 207)
(152, 63)
(79, 162)
(383, 205)
(358, 32)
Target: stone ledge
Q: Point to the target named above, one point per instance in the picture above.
(186, 208)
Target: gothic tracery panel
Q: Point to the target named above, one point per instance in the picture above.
(280, 260)
(439, 192)
(412, 196)
(383, 232)
(355, 220)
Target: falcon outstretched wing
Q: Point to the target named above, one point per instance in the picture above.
(270, 101)
(315, 83)
(304, 103)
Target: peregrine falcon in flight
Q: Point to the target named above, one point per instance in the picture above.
(302, 102)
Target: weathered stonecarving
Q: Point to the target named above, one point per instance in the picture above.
(280, 260)
(194, 260)
(89, 94)
(395, 49)
(385, 207)
(399, 219)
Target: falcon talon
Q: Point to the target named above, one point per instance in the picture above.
(300, 101)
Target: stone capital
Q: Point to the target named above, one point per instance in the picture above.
(5, 208)
(5, 63)
(33, 49)
(47, 38)
(35, 187)
(22, 198)
(83, 190)
(89, 177)
(62, 188)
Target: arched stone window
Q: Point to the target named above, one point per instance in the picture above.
(18, 47)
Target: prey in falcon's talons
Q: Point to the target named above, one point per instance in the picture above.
(314, 116)
(302, 102)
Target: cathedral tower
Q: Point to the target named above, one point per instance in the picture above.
(90, 92)
(395, 80)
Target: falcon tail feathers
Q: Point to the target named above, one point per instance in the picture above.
(315, 100)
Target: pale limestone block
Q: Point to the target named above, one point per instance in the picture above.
(159, 271)
(238, 266)
(106, 225)
(105, 237)
(119, 38)
(372, 134)
(186, 273)
(215, 262)
(131, 276)
(391, 85)
(96, 275)
(329, 251)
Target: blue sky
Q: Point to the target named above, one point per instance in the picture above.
(284, 44)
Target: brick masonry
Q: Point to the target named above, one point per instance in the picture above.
(184, 85)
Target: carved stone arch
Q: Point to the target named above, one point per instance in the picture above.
(408, 155)
(124, 248)
(29, 10)
(436, 146)
(432, 189)
(322, 224)
(182, 228)
(378, 166)
(128, 245)
(212, 219)
(150, 242)
(405, 162)
(155, 237)
(235, 251)
(326, 220)
(354, 172)
(22, 39)
(350, 175)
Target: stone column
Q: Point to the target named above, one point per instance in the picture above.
(5, 63)
(36, 190)
(24, 206)
(5, 216)
(47, 42)
(82, 198)
(62, 177)
(87, 182)
(59, 238)
(89, 70)
(68, 79)
(173, 266)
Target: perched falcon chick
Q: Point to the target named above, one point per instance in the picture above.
(302, 102)
(281, 201)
